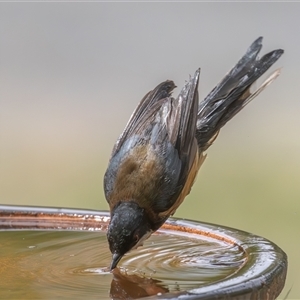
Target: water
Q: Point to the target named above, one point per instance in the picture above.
(73, 264)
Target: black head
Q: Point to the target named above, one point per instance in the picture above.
(127, 229)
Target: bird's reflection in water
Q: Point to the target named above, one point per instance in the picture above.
(124, 286)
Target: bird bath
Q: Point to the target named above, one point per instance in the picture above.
(51, 253)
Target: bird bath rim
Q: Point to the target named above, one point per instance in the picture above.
(263, 275)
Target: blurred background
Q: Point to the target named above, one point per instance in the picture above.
(72, 73)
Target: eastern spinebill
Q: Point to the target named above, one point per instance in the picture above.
(155, 161)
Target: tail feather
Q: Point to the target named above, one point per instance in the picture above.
(233, 92)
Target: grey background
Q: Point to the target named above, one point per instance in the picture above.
(72, 73)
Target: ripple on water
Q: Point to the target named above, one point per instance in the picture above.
(62, 264)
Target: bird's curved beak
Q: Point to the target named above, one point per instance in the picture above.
(115, 259)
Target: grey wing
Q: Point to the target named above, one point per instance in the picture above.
(134, 133)
(160, 92)
(182, 148)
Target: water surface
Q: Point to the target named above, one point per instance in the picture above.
(73, 264)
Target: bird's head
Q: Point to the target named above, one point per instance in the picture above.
(128, 228)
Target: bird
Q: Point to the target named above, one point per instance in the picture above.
(154, 162)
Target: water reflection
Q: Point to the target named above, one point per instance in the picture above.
(124, 286)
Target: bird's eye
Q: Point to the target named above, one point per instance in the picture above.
(136, 238)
